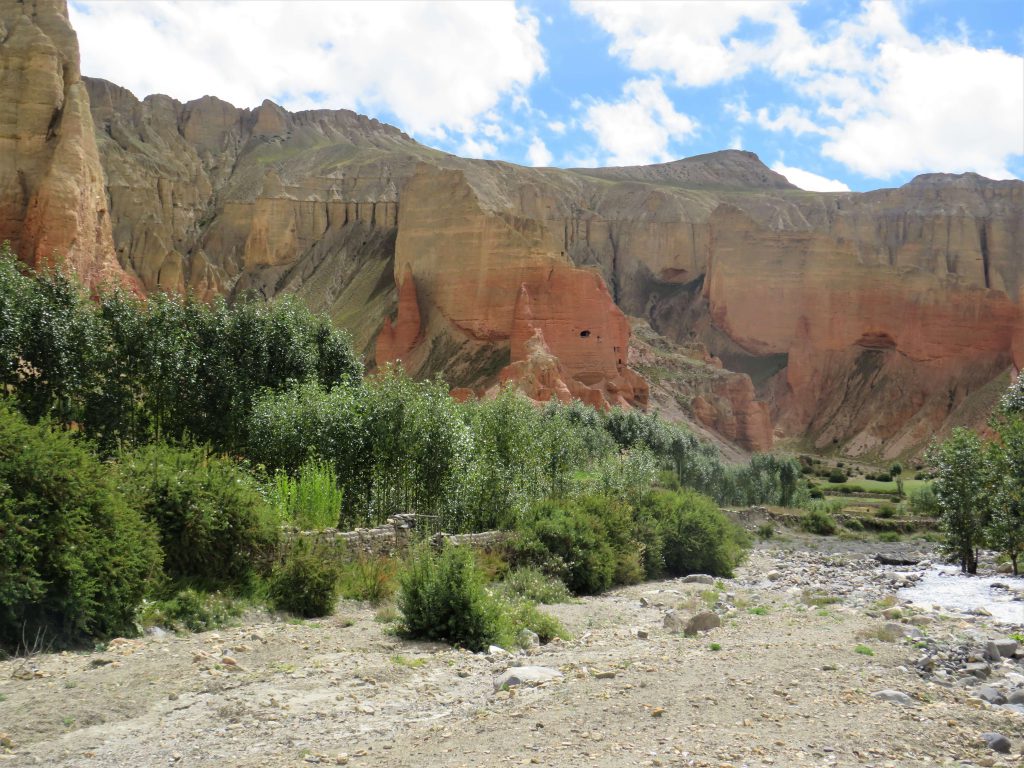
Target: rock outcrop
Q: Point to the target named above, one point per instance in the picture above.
(863, 322)
(53, 204)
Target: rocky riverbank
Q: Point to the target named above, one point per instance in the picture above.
(815, 663)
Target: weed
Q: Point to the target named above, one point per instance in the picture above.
(1018, 636)
(372, 578)
(889, 536)
(531, 583)
(68, 721)
(882, 632)
(863, 650)
(765, 531)
(387, 614)
(817, 599)
(715, 647)
(709, 597)
(759, 610)
(886, 602)
(403, 661)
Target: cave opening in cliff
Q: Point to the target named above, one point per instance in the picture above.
(584, 334)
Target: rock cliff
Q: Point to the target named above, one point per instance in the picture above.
(52, 200)
(860, 322)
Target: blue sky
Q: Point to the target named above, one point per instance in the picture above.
(831, 93)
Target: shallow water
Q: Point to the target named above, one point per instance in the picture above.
(945, 586)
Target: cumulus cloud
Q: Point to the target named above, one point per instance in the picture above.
(812, 182)
(637, 129)
(883, 100)
(697, 41)
(538, 153)
(435, 67)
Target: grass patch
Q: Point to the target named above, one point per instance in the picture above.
(759, 610)
(370, 578)
(817, 599)
(863, 650)
(404, 661)
(715, 647)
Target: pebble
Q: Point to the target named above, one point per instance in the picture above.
(997, 742)
(896, 697)
(525, 676)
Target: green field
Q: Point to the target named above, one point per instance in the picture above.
(874, 486)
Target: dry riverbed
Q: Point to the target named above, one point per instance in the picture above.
(780, 683)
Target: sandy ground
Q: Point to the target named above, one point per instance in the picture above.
(778, 684)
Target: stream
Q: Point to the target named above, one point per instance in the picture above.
(945, 586)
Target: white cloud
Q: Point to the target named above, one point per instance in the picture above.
(421, 62)
(694, 40)
(939, 107)
(812, 182)
(736, 143)
(557, 127)
(791, 118)
(885, 101)
(477, 149)
(638, 128)
(538, 153)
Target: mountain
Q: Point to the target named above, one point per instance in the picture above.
(860, 322)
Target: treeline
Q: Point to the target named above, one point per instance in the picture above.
(172, 438)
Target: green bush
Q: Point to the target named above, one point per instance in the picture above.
(588, 543)
(75, 559)
(765, 531)
(305, 582)
(837, 476)
(191, 610)
(442, 597)
(214, 525)
(817, 520)
(924, 502)
(518, 615)
(696, 536)
(887, 511)
(311, 500)
(530, 583)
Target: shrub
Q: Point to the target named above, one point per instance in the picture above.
(697, 537)
(924, 502)
(817, 493)
(518, 615)
(883, 477)
(587, 543)
(372, 578)
(442, 597)
(817, 520)
(305, 582)
(192, 611)
(837, 476)
(312, 499)
(765, 531)
(75, 560)
(530, 583)
(886, 511)
(214, 525)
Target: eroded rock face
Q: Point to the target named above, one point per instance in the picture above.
(52, 200)
(866, 322)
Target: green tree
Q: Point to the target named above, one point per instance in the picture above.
(962, 486)
(1005, 531)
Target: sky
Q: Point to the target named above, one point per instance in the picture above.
(833, 94)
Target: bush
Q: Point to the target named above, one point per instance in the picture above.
(924, 502)
(886, 511)
(883, 477)
(190, 610)
(817, 493)
(518, 615)
(372, 578)
(312, 500)
(587, 543)
(697, 537)
(532, 584)
(836, 476)
(305, 582)
(442, 597)
(817, 520)
(75, 559)
(214, 525)
(765, 531)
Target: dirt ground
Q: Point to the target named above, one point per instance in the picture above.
(778, 684)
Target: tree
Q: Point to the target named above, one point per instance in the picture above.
(962, 485)
(896, 470)
(1005, 531)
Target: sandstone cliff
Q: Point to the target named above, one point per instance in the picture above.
(861, 322)
(52, 200)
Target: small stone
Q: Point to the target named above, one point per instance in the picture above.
(896, 697)
(527, 639)
(641, 634)
(702, 622)
(494, 650)
(698, 578)
(525, 676)
(605, 674)
(366, 709)
(673, 622)
(644, 602)
(979, 669)
(1006, 646)
(990, 694)
(229, 661)
(1017, 697)
(996, 742)
(773, 575)
(657, 712)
